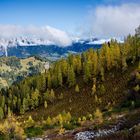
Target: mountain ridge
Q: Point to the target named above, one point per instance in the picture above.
(8, 43)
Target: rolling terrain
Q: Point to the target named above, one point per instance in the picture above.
(93, 91)
(13, 69)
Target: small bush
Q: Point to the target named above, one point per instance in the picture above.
(48, 127)
(61, 130)
(2, 137)
(77, 88)
(33, 131)
(69, 126)
(137, 103)
(83, 118)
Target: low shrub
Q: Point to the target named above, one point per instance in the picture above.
(33, 131)
(69, 126)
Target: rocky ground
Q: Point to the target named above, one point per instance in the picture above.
(89, 133)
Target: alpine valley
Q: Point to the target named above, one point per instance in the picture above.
(69, 70)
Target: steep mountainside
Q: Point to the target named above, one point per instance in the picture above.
(90, 91)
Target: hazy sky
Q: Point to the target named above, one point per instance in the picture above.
(98, 18)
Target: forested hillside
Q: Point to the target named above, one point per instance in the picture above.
(81, 87)
(13, 69)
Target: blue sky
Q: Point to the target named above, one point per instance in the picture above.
(62, 14)
(68, 15)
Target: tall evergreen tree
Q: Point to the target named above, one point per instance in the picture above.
(25, 104)
(93, 89)
(71, 76)
(49, 83)
(87, 72)
(95, 63)
(108, 57)
(1, 113)
(60, 79)
(77, 88)
(45, 104)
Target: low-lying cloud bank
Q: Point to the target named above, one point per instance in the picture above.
(114, 21)
(51, 34)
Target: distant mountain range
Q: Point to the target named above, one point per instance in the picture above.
(24, 47)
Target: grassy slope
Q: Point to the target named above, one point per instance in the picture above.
(79, 104)
(24, 63)
(15, 71)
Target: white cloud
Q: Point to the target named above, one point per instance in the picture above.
(51, 34)
(114, 21)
